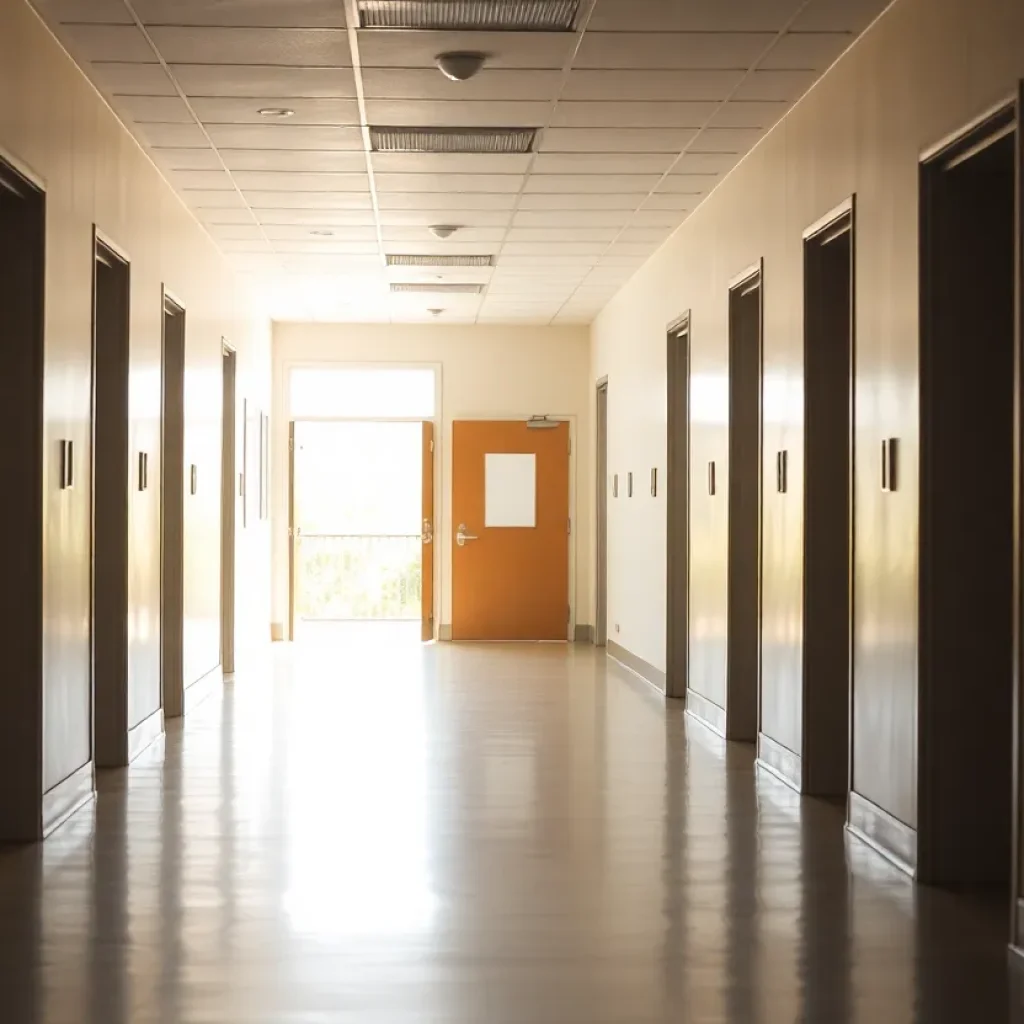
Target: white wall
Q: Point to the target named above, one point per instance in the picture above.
(486, 372)
(57, 129)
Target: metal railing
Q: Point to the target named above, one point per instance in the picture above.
(344, 576)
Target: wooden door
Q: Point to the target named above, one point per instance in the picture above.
(427, 538)
(510, 524)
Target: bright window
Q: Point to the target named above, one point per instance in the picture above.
(362, 393)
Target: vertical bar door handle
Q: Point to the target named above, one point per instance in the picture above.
(782, 471)
(885, 465)
(194, 479)
(711, 479)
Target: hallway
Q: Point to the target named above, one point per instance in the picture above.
(465, 834)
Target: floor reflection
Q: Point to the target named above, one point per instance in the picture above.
(390, 832)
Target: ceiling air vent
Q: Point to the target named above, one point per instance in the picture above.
(445, 289)
(401, 260)
(470, 15)
(388, 139)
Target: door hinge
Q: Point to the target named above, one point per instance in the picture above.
(568, 613)
(290, 534)
(569, 527)
(570, 446)
(431, 446)
(291, 443)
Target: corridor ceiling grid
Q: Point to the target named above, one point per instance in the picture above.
(640, 108)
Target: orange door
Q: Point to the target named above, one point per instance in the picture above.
(510, 519)
(427, 538)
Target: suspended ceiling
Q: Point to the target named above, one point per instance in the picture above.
(640, 110)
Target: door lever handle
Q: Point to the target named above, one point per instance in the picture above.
(461, 536)
(428, 532)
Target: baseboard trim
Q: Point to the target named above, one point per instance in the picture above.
(780, 761)
(67, 797)
(202, 688)
(886, 835)
(146, 732)
(444, 632)
(705, 711)
(584, 634)
(637, 665)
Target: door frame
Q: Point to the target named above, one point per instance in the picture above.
(291, 497)
(229, 513)
(571, 537)
(677, 514)
(600, 627)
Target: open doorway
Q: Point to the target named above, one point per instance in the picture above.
(968, 575)
(744, 601)
(22, 278)
(828, 397)
(110, 506)
(229, 493)
(358, 533)
(678, 512)
(601, 564)
(172, 517)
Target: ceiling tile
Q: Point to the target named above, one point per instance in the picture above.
(666, 114)
(439, 113)
(817, 50)
(631, 249)
(706, 163)
(688, 184)
(237, 232)
(575, 184)
(671, 50)
(118, 78)
(317, 218)
(308, 200)
(571, 218)
(699, 86)
(254, 13)
(602, 163)
(449, 163)
(327, 247)
(399, 49)
(93, 12)
(775, 85)
(290, 82)
(300, 47)
(253, 246)
(614, 140)
(546, 261)
(492, 236)
(656, 219)
(272, 181)
(212, 215)
(673, 16)
(304, 233)
(490, 84)
(176, 136)
(750, 114)
(188, 159)
(204, 180)
(647, 235)
(122, 43)
(236, 110)
(467, 218)
(613, 201)
(449, 183)
(222, 199)
(670, 201)
(309, 160)
(167, 109)
(280, 136)
(839, 15)
(567, 234)
(429, 201)
(726, 140)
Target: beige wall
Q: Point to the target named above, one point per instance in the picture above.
(55, 126)
(486, 372)
(923, 70)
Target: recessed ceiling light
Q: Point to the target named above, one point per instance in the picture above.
(322, 233)
(440, 289)
(470, 15)
(434, 260)
(276, 113)
(419, 139)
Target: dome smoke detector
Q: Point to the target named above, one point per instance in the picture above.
(435, 311)
(460, 65)
(443, 231)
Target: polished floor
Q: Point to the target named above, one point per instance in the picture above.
(472, 835)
